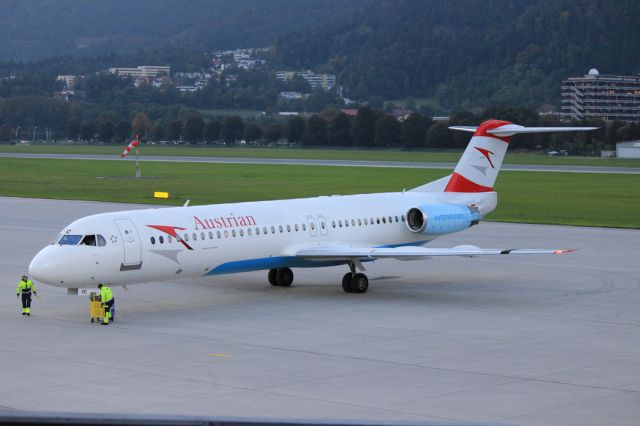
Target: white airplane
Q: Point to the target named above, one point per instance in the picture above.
(159, 244)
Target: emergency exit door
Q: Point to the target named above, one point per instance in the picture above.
(132, 247)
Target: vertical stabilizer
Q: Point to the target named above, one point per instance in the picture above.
(479, 166)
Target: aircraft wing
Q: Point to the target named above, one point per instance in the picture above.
(409, 253)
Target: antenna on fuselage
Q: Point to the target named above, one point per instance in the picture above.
(186, 204)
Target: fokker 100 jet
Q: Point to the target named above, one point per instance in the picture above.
(159, 244)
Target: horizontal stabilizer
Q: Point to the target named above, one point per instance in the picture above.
(514, 129)
(470, 129)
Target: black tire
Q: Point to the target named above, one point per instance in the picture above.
(359, 283)
(284, 277)
(346, 283)
(273, 277)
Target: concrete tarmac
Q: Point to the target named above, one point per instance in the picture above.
(532, 340)
(338, 163)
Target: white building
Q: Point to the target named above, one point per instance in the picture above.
(630, 149)
(142, 71)
(316, 81)
(69, 81)
(609, 97)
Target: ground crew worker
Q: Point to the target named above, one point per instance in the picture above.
(26, 287)
(106, 296)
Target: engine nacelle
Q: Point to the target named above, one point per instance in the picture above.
(438, 219)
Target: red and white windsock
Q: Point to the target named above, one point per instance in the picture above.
(478, 167)
(132, 144)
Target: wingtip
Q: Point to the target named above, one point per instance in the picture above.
(563, 251)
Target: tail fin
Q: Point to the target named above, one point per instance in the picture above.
(480, 163)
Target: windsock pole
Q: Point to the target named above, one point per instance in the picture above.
(133, 144)
(138, 172)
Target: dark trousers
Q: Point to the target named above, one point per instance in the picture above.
(108, 307)
(26, 300)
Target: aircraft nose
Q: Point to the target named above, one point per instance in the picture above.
(44, 268)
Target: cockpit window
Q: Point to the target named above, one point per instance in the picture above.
(70, 240)
(101, 241)
(88, 240)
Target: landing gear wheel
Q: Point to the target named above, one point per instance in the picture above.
(359, 283)
(346, 283)
(284, 277)
(272, 277)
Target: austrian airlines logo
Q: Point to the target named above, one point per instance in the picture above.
(486, 154)
(171, 230)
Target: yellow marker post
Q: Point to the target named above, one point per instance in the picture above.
(160, 194)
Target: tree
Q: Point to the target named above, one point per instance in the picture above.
(414, 130)
(73, 129)
(105, 130)
(141, 124)
(122, 131)
(87, 131)
(274, 132)
(387, 132)
(439, 135)
(212, 131)
(339, 130)
(192, 130)
(6, 134)
(157, 132)
(252, 132)
(316, 131)
(295, 129)
(364, 125)
(175, 130)
(232, 128)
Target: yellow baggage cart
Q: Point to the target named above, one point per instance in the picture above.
(97, 310)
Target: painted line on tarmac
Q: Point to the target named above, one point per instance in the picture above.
(337, 163)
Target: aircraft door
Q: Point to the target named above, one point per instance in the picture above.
(323, 225)
(313, 227)
(132, 247)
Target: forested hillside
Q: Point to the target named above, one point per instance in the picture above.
(458, 54)
(38, 29)
(470, 53)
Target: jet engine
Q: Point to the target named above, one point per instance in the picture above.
(438, 219)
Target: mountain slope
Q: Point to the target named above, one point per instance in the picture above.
(470, 53)
(37, 29)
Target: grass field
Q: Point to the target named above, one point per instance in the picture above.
(554, 198)
(324, 154)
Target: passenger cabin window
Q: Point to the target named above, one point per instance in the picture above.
(153, 240)
(161, 239)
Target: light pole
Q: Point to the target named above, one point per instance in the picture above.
(17, 130)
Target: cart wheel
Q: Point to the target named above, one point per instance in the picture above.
(91, 319)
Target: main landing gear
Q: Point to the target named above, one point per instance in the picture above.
(353, 282)
(281, 277)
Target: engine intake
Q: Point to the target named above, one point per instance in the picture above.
(438, 219)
